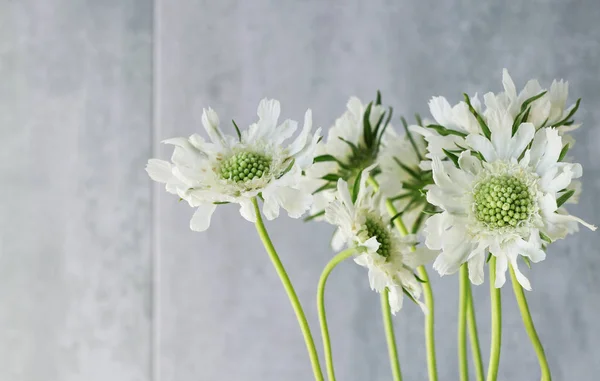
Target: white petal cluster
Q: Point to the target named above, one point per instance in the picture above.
(230, 169)
(388, 257)
(517, 161)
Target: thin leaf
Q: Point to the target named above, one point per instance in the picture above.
(419, 279)
(564, 198)
(385, 126)
(331, 177)
(322, 158)
(367, 133)
(488, 257)
(445, 131)
(378, 99)
(397, 215)
(400, 197)
(451, 156)
(237, 130)
(545, 237)
(563, 152)
(409, 295)
(527, 261)
(323, 187)
(482, 124)
(565, 120)
(407, 169)
(411, 138)
(313, 216)
(356, 187)
(287, 169)
(419, 120)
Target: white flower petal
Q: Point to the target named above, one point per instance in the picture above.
(210, 121)
(201, 219)
(159, 170)
(475, 264)
(522, 279)
(482, 145)
(247, 210)
(501, 267)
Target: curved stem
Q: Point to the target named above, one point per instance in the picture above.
(321, 308)
(463, 364)
(287, 285)
(529, 327)
(496, 308)
(472, 325)
(389, 335)
(429, 324)
(427, 291)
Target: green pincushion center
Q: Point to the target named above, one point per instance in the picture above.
(377, 229)
(245, 166)
(502, 201)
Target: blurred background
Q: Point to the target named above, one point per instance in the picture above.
(101, 278)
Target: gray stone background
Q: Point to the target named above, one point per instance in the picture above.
(100, 277)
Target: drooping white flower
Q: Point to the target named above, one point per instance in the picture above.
(352, 144)
(502, 196)
(230, 169)
(388, 257)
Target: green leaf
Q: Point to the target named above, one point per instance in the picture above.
(411, 138)
(356, 187)
(401, 197)
(563, 152)
(419, 120)
(397, 215)
(544, 237)
(221, 202)
(331, 177)
(527, 261)
(385, 126)
(376, 129)
(323, 187)
(565, 121)
(419, 279)
(482, 124)
(488, 257)
(445, 131)
(237, 130)
(355, 149)
(564, 198)
(287, 169)
(367, 132)
(313, 216)
(322, 158)
(407, 169)
(451, 156)
(378, 99)
(409, 295)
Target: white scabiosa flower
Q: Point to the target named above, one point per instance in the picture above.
(402, 180)
(501, 196)
(230, 169)
(352, 144)
(379, 248)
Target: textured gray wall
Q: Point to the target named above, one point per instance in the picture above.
(100, 277)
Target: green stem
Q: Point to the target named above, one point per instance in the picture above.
(463, 364)
(529, 327)
(496, 308)
(427, 291)
(321, 308)
(287, 284)
(389, 335)
(472, 325)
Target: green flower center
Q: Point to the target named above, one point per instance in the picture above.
(502, 201)
(377, 229)
(245, 166)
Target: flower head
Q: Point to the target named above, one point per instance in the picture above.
(230, 169)
(363, 227)
(502, 195)
(352, 145)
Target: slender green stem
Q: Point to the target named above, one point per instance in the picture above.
(463, 363)
(429, 324)
(529, 327)
(427, 291)
(389, 335)
(287, 284)
(496, 308)
(475, 349)
(321, 308)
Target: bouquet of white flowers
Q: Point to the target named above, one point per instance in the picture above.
(481, 184)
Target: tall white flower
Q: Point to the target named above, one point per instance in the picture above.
(388, 257)
(352, 144)
(230, 169)
(502, 196)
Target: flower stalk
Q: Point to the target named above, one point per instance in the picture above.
(389, 335)
(473, 336)
(529, 327)
(289, 289)
(496, 312)
(321, 309)
(463, 300)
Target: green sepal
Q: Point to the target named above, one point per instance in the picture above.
(523, 114)
(331, 177)
(411, 139)
(356, 187)
(409, 295)
(287, 169)
(482, 124)
(564, 198)
(237, 130)
(378, 98)
(451, 156)
(488, 257)
(313, 216)
(565, 121)
(445, 131)
(419, 279)
(323, 187)
(564, 151)
(397, 215)
(407, 169)
(220, 202)
(527, 261)
(544, 237)
(367, 132)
